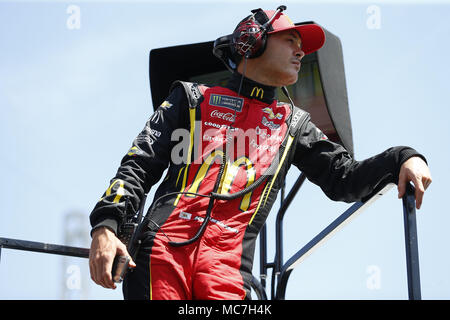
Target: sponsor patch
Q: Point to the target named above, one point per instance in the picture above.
(166, 105)
(134, 151)
(322, 135)
(155, 133)
(263, 147)
(185, 215)
(227, 116)
(271, 114)
(262, 133)
(229, 102)
(258, 91)
(220, 223)
(269, 124)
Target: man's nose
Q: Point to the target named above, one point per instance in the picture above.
(300, 54)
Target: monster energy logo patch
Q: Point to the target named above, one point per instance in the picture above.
(232, 103)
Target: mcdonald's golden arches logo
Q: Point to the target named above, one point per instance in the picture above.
(258, 91)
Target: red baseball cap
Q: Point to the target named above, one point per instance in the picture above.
(313, 36)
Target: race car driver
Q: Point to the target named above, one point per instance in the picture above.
(196, 244)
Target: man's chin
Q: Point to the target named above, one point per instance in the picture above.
(291, 80)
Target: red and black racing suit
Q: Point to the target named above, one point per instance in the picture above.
(187, 135)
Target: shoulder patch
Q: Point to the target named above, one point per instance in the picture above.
(299, 117)
(194, 91)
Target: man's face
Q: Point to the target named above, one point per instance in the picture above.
(280, 62)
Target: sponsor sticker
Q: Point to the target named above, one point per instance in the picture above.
(262, 133)
(227, 116)
(269, 124)
(258, 91)
(322, 135)
(134, 151)
(166, 105)
(233, 103)
(155, 133)
(271, 114)
(220, 223)
(185, 215)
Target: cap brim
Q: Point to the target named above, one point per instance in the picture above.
(313, 36)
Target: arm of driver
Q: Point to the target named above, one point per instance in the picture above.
(416, 171)
(104, 247)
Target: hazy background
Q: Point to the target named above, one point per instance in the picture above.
(74, 93)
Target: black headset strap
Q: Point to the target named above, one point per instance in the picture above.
(262, 19)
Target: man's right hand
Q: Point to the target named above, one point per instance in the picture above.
(104, 247)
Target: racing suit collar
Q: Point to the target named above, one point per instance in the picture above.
(251, 89)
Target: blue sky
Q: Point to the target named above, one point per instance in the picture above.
(72, 101)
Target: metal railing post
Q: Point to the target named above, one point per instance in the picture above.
(263, 255)
(285, 203)
(411, 246)
(320, 238)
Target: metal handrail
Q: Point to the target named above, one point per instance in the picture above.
(411, 245)
(43, 247)
(276, 265)
(412, 255)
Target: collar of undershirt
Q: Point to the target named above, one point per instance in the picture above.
(251, 89)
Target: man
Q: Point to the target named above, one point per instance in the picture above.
(198, 242)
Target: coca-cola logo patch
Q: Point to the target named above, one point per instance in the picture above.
(227, 116)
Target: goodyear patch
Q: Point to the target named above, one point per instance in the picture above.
(229, 102)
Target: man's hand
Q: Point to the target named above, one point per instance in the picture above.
(415, 170)
(104, 247)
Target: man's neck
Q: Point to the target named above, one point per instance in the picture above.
(251, 88)
(253, 71)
